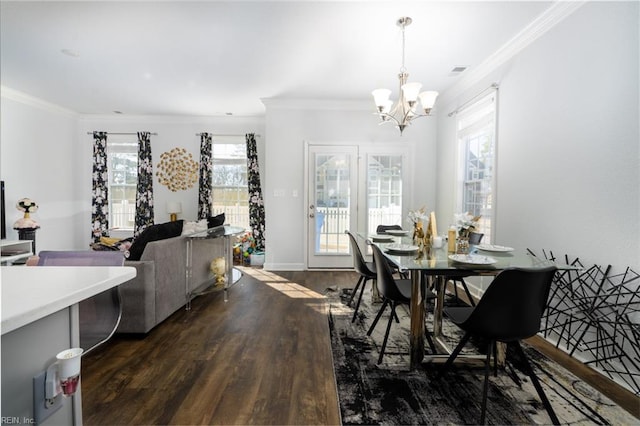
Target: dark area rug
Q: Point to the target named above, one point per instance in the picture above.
(391, 394)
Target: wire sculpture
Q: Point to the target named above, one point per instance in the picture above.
(594, 316)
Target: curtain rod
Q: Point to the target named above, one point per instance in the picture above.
(457, 110)
(124, 133)
(228, 135)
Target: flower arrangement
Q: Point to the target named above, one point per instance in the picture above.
(27, 205)
(465, 223)
(417, 216)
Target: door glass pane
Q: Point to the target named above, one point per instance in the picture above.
(332, 195)
(384, 191)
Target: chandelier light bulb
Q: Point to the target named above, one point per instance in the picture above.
(386, 108)
(427, 100)
(381, 97)
(410, 92)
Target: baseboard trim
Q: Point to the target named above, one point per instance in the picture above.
(620, 395)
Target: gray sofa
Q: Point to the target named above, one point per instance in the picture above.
(158, 290)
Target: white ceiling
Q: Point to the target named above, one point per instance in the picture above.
(214, 57)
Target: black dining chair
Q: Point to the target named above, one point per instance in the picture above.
(475, 238)
(509, 311)
(99, 315)
(367, 271)
(382, 229)
(393, 292)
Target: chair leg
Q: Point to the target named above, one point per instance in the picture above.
(375, 321)
(494, 347)
(432, 346)
(386, 334)
(536, 384)
(355, 290)
(466, 290)
(455, 289)
(487, 367)
(355, 313)
(456, 351)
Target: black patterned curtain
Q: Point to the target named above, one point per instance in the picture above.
(204, 192)
(144, 192)
(100, 188)
(256, 204)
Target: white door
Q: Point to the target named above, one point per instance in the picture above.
(331, 204)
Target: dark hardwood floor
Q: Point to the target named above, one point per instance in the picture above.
(263, 357)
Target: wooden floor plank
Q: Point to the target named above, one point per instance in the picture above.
(264, 357)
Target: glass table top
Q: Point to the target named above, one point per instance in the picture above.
(440, 261)
(218, 231)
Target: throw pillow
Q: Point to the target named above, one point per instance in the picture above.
(193, 227)
(214, 221)
(156, 232)
(188, 228)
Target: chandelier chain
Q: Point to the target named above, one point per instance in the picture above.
(403, 69)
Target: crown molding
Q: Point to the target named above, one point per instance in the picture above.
(32, 101)
(548, 19)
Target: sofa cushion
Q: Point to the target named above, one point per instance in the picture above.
(214, 221)
(156, 232)
(192, 227)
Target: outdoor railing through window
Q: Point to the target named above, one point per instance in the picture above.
(333, 221)
(122, 215)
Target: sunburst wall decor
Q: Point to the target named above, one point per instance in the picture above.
(177, 169)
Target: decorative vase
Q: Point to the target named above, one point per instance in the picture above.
(418, 234)
(462, 245)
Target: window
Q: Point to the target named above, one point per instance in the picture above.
(229, 175)
(476, 127)
(384, 193)
(122, 166)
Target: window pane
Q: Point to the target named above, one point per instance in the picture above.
(122, 167)
(384, 191)
(332, 195)
(229, 182)
(476, 135)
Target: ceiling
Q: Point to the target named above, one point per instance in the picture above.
(210, 58)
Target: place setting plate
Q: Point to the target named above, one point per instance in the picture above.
(472, 259)
(494, 248)
(401, 249)
(381, 238)
(397, 232)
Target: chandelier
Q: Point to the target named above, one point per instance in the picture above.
(404, 112)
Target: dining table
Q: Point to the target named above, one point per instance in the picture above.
(436, 266)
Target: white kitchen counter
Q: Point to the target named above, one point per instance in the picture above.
(32, 293)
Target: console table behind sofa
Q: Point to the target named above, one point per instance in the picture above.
(159, 287)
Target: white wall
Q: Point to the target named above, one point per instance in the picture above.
(568, 150)
(40, 161)
(47, 156)
(172, 132)
(288, 125)
(568, 140)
